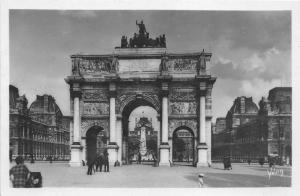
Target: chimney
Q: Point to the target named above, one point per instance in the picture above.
(45, 103)
(242, 107)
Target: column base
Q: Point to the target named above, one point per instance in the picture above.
(76, 151)
(164, 151)
(202, 155)
(112, 149)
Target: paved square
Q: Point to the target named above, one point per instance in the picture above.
(138, 176)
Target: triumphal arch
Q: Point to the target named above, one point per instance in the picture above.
(105, 89)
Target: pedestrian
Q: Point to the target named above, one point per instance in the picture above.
(139, 158)
(249, 161)
(225, 162)
(101, 161)
(19, 174)
(10, 156)
(106, 162)
(90, 164)
(31, 158)
(200, 180)
(261, 161)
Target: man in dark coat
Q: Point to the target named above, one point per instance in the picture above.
(99, 162)
(106, 162)
(90, 164)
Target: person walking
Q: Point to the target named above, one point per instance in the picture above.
(90, 164)
(139, 158)
(101, 161)
(106, 162)
(19, 174)
(249, 161)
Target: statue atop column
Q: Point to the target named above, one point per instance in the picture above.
(201, 67)
(163, 64)
(143, 39)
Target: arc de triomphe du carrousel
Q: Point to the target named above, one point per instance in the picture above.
(105, 89)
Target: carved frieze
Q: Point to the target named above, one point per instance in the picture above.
(174, 124)
(183, 107)
(94, 65)
(86, 124)
(178, 94)
(179, 65)
(100, 95)
(95, 108)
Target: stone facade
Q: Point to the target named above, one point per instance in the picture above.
(258, 133)
(40, 130)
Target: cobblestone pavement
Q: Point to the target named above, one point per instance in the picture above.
(138, 176)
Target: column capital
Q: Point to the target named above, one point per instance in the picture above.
(164, 89)
(76, 90)
(112, 94)
(202, 93)
(76, 94)
(112, 89)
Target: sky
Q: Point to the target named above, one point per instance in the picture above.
(251, 50)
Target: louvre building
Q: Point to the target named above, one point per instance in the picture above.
(39, 131)
(252, 132)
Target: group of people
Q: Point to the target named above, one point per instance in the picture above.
(97, 163)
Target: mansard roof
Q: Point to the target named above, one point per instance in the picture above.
(243, 105)
(44, 104)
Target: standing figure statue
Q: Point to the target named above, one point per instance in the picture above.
(142, 28)
(201, 67)
(75, 66)
(114, 65)
(163, 63)
(124, 42)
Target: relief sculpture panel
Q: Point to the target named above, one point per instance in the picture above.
(178, 65)
(100, 95)
(183, 108)
(178, 94)
(95, 108)
(96, 65)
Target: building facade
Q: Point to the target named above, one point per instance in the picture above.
(257, 133)
(19, 125)
(105, 89)
(40, 130)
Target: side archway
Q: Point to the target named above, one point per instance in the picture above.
(183, 145)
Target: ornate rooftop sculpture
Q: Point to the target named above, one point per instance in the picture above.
(142, 39)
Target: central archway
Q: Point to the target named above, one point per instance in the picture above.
(96, 142)
(141, 130)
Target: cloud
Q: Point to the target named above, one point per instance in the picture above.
(257, 87)
(269, 65)
(80, 14)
